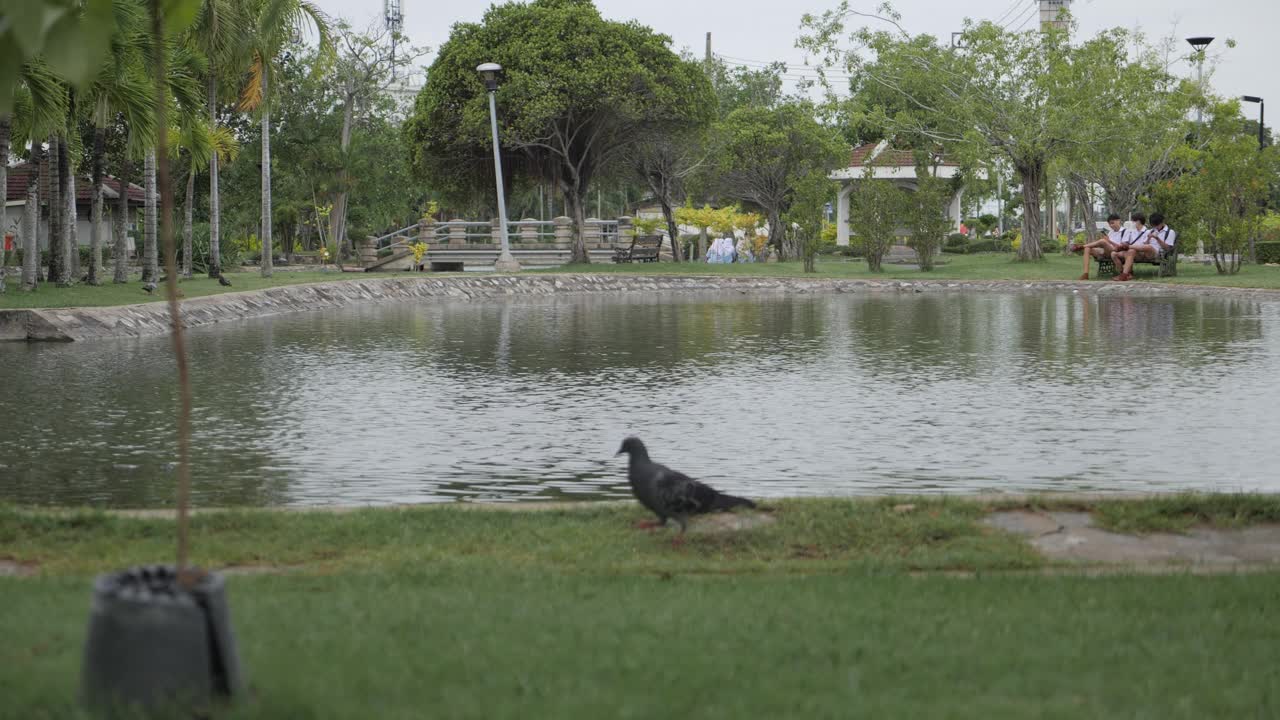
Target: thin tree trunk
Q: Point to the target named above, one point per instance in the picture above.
(574, 198)
(702, 244)
(1032, 177)
(5, 131)
(150, 257)
(265, 235)
(215, 212)
(186, 222)
(121, 247)
(70, 219)
(95, 212)
(53, 206)
(31, 222)
(673, 229)
(776, 234)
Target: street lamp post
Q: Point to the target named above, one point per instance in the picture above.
(506, 261)
(1262, 118)
(1199, 44)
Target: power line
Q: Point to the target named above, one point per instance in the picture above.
(1008, 12)
(1024, 17)
(790, 69)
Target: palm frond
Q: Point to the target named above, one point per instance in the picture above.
(251, 95)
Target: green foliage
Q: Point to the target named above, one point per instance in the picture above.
(576, 90)
(765, 156)
(1268, 252)
(874, 211)
(926, 215)
(70, 37)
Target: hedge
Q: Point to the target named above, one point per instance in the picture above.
(1268, 252)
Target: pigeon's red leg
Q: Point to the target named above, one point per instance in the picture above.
(647, 525)
(677, 541)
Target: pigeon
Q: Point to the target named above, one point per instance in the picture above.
(223, 281)
(149, 288)
(671, 494)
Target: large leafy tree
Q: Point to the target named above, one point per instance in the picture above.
(764, 154)
(578, 90)
(1024, 97)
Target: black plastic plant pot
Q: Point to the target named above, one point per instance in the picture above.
(155, 645)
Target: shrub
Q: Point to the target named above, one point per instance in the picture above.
(982, 246)
(1268, 251)
(384, 253)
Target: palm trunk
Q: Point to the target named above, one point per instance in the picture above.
(70, 219)
(95, 213)
(53, 206)
(338, 214)
(186, 222)
(150, 259)
(31, 222)
(5, 130)
(1032, 177)
(121, 251)
(215, 212)
(266, 179)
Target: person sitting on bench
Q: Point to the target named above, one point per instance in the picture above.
(1107, 243)
(1157, 244)
(1137, 235)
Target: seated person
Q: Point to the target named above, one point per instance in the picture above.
(1157, 243)
(1107, 243)
(1137, 235)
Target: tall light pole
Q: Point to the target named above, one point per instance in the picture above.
(506, 262)
(1199, 44)
(1262, 118)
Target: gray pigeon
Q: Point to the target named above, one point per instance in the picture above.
(671, 494)
(223, 281)
(149, 288)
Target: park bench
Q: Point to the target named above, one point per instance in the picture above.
(642, 249)
(1166, 264)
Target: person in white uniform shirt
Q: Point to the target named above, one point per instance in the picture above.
(1107, 243)
(1133, 237)
(1158, 243)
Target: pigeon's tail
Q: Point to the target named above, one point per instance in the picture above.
(729, 502)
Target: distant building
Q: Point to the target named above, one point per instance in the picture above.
(16, 199)
(897, 166)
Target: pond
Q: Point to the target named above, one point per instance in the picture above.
(763, 395)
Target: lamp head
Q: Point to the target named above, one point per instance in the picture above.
(1251, 98)
(489, 73)
(1200, 43)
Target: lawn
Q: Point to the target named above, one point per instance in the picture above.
(49, 296)
(571, 613)
(954, 267)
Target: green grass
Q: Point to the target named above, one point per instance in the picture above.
(991, 266)
(50, 296)
(955, 267)
(451, 611)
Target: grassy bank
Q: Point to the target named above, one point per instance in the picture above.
(572, 613)
(954, 267)
(107, 294)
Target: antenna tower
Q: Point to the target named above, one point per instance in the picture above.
(395, 24)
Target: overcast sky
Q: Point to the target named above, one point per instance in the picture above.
(751, 31)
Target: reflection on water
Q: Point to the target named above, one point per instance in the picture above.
(766, 396)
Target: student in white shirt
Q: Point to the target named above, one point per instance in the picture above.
(1133, 237)
(1107, 243)
(1158, 243)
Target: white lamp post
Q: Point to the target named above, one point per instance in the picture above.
(1199, 44)
(506, 261)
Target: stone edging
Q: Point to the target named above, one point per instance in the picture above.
(68, 324)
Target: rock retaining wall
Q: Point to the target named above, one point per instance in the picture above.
(153, 318)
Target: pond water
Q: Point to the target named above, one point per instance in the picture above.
(528, 399)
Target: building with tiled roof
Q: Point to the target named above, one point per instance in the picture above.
(878, 161)
(16, 199)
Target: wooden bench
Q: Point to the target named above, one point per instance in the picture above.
(1166, 264)
(642, 249)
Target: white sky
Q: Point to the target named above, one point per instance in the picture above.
(753, 30)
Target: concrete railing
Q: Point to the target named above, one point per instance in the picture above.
(556, 234)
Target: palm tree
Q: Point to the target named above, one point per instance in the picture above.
(219, 33)
(201, 146)
(121, 90)
(39, 106)
(275, 23)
